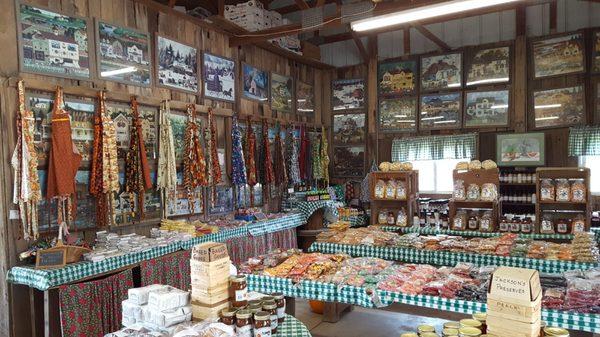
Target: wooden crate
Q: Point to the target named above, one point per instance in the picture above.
(411, 181)
(478, 177)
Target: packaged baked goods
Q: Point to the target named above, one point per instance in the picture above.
(547, 190)
(585, 248)
(406, 166)
(390, 190)
(578, 191)
(463, 165)
(459, 190)
(402, 219)
(563, 190)
(379, 190)
(475, 165)
(382, 217)
(547, 226)
(489, 164)
(578, 224)
(460, 221)
(396, 166)
(401, 190)
(473, 192)
(486, 223)
(489, 192)
(385, 166)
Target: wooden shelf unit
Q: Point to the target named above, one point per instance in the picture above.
(411, 182)
(478, 177)
(521, 188)
(545, 207)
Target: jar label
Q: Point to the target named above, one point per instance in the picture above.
(244, 331)
(281, 312)
(241, 295)
(561, 228)
(274, 321)
(263, 332)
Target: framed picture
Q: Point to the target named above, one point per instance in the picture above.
(219, 77)
(52, 44)
(305, 99)
(349, 129)
(397, 78)
(348, 161)
(255, 83)
(123, 54)
(398, 114)
(559, 107)
(121, 116)
(559, 55)
(178, 123)
(440, 111)
(520, 149)
(282, 88)
(487, 109)
(177, 65)
(440, 72)
(488, 66)
(348, 94)
(596, 52)
(223, 200)
(180, 204)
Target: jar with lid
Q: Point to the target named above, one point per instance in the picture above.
(243, 323)
(503, 226)
(271, 308)
(546, 226)
(526, 225)
(482, 318)
(238, 291)
(563, 226)
(391, 220)
(515, 225)
(423, 328)
(280, 300)
(262, 324)
(227, 317)
(473, 222)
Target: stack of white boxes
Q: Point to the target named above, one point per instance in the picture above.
(209, 271)
(514, 303)
(156, 306)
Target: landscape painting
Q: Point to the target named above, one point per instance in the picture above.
(124, 54)
(488, 66)
(349, 129)
(219, 77)
(52, 43)
(348, 94)
(305, 99)
(348, 161)
(559, 56)
(559, 107)
(255, 82)
(177, 65)
(520, 149)
(397, 78)
(398, 114)
(281, 92)
(487, 108)
(440, 112)
(441, 72)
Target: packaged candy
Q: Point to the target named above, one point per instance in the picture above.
(547, 190)
(563, 190)
(459, 190)
(578, 191)
(473, 192)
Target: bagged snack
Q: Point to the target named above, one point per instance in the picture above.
(382, 217)
(578, 224)
(547, 190)
(489, 192)
(460, 221)
(489, 164)
(385, 166)
(563, 190)
(463, 165)
(578, 191)
(402, 219)
(473, 192)
(396, 166)
(379, 189)
(406, 166)
(400, 190)
(390, 190)
(486, 223)
(475, 165)
(459, 190)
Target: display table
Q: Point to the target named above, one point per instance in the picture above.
(373, 298)
(433, 231)
(292, 327)
(444, 258)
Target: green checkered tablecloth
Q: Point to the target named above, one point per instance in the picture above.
(378, 298)
(49, 278)
(357, 220)
(433, 231)
(412, 255)
(307, 208)
(292, 327)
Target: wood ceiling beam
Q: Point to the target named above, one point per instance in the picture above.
(361, 47)
(432, 37)
(172, 3)
(406, 41)
(320, 3)
(302, 5)
(294, 8)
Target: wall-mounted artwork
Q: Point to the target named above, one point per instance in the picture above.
(348, 161)
(440, 72)
(219, 77)
(596, 52)
(440, 112)
(121, 116)
(398, 114)
(520, 149)
(348, 94)
(349, 128)
(123, 54)
(282, 88)
(255, 83)
(397, 78)
(305, 99)
(177, 65)
(180, 204)
(223, 203)
(489, 66)
(53, 44)
(178, 121)
(559, 107)
(559, 55)
(487, 108)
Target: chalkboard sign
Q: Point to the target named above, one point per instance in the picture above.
(50, 258)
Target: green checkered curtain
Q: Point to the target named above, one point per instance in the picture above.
(434, 147)
(584, 141)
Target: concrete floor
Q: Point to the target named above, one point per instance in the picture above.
(362, 322)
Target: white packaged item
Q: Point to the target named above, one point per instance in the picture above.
(171, 317)
(167, 298)
(139, 296)
(131, 309)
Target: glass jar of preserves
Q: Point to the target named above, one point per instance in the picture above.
(526, 225)
(563, 226)
(515, 225)
(238, 291)
(503, 226)
(271, 308)
(473, 222)
(546, 226)
(227, 317)
(243, 324)
(280, 300)
(262, 324)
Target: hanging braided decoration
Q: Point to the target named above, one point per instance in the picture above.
(303, 156)
(324, 156)
(215, 174)
(238, 163)
(194, 164)
(279, 159)
(317, 167)
(250, 152)
(137, 171)
(166, 180)
(294, 168)
(26, 189)
(269, 176)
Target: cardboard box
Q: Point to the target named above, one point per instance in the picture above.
(515, 294)
(202, 312)
(310, 50)
(209, 251)
(518, 312)
(209, 299)
(219, 267)
(202, 290)
(506, 327)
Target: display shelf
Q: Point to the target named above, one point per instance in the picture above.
(411, 183)
(375, 298)
(479, 178)
(433, 231)
(502, 183)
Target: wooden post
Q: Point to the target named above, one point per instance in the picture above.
(372, 103)
(519, 120)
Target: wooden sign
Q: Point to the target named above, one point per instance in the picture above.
(50, 258)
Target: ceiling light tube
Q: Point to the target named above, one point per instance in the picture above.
(548, 106)
(423, 12)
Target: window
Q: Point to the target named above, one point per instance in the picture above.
(593, 163)
(435, 176)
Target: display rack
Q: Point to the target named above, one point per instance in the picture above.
(479, 177)
(546, 208)
(411, 182)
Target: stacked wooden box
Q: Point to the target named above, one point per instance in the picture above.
(514, 303)
(209, 265)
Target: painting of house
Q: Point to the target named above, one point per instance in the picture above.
(177, 65)
(559, 107)
(398, 114)
(487, 108)
(559, 56)
(441, 71)
(348, 94)
(489, 66)
(305, 99)
(397, 78)
(121, 116)
(219, 77)
(440, 111)
(281, 92)
(52, 43)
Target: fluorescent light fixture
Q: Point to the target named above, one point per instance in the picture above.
(424, 112)
(399, 116)
(444, 122)
(300, 100)
(423, 12)
(431, 118)
(501, 106)
(125, 70)
(306, 110)
(491, 80)
(546, 118)
(453, 85)
(548, 106)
